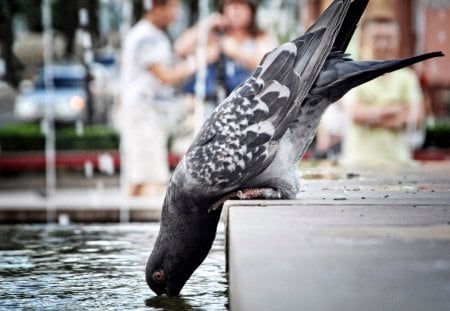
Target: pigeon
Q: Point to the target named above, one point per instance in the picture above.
(250, 145)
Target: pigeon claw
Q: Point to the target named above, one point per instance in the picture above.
(259, 193)
(248, 194)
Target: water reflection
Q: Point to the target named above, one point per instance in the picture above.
(168, 303)
(101, 266)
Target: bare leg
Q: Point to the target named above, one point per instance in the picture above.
(135, 190)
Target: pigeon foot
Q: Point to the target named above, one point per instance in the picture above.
(259, 193)
(248, 194)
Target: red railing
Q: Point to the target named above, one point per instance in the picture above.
(16, 162)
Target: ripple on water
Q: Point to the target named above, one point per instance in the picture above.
(97, 266)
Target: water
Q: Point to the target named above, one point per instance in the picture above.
(88, 267)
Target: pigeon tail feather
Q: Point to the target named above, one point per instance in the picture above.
(374, 69)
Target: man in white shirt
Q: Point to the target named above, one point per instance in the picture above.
(146, 91)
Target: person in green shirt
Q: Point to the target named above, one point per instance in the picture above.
(384, 111)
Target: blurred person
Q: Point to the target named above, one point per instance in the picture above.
(235, 46)
(328, 140)
(148, 74)
(382, 112)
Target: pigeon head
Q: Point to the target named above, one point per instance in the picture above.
(185, 237)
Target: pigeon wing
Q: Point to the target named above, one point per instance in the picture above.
(240, 138)
(349, 24)
(234, 143)
(325, 31)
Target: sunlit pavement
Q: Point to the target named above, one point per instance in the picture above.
(354, 240)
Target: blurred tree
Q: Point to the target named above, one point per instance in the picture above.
(66, 20)
(93, 27)
(193, 9)
(31, 10)
(138, 10)
(193, 6)
(7, 10)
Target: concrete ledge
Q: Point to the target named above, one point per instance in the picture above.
(78, 215)
(298, 257)
(79, 205)
(353, 240)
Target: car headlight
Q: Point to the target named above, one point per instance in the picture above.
(25, 108)
(77, 103)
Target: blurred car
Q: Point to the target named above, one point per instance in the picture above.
(67, 96)
(7, 98)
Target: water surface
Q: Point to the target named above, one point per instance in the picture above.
(80, 267)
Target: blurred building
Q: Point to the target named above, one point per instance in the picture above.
(425, 27)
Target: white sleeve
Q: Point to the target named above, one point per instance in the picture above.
(151, 50)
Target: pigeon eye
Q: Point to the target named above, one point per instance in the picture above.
(158, 276)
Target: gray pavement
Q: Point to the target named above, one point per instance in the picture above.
(375, 240)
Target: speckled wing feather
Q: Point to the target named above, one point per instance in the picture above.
(235, 141)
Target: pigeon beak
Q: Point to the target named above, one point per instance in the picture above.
(165, 291)
(172, 293)
(160, 292)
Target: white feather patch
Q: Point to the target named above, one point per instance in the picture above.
(265, 127)
(289, 46)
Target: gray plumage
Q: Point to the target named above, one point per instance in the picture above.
(254, 139)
